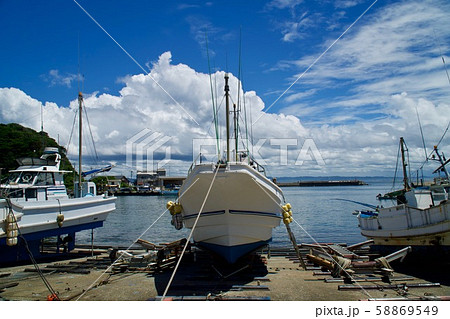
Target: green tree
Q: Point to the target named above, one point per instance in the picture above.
(17, 141)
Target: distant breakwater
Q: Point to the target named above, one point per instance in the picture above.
(321, 183)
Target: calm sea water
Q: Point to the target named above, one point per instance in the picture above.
(322, 216)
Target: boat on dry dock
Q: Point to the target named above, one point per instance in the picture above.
(35, 206)
(230, 204)
(421, 218)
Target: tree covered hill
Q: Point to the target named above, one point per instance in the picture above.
(18, 141)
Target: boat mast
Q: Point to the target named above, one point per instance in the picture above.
(227, 90)
(404, 164)
(80, 139)
(442, 161)
(235, 132)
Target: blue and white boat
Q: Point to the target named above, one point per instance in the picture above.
(238, 205)
(173, 191)
(35, 205)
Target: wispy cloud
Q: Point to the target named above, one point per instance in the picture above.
(185, 6)
(202, 30)
(54, 78)
(297, 19)
(394, 51)
(294, 30)
(347, 3)
(283, 4)
(201, 27)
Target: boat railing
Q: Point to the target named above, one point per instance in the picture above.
(194, 163)
(258, 167)
(410, 217)
(416, 217)
(198, 160)
(247, 157)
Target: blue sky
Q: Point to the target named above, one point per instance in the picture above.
(357, 98)
(39, 37)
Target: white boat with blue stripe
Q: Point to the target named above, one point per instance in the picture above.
(231, 205)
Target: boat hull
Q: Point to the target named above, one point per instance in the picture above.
(239, 213)
(39, 220)
(400, 226)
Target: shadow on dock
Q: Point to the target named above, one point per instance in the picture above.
(429, 270)
(202, 273)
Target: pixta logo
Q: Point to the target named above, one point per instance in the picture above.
(279, 151)
(148, 150)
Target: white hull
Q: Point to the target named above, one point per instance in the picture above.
(405, 225)
(40, 216)
(241, 210)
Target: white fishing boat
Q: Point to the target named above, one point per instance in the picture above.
(421, 222)
(421, 218)
(35, 205)
(237, 206)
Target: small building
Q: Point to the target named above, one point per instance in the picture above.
(115, 182)
(149, 178)
(171, 182)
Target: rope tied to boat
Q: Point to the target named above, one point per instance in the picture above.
(341, 266)
(384, 262)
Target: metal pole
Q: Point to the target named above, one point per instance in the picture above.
(235, 133)
(92, 242)
(227, 110)
(405, 174)
(444, 169)
(294, 243)
(80, 140)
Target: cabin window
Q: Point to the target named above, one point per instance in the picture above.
(30, 193)
(27, 177)
(45, 179)
(15, 193)
(13, 177)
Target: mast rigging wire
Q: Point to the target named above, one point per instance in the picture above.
(421, 133)
(212, 99)
(90, 131)
(71, 132)
(396, 167)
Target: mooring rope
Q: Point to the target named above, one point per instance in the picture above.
(320, 246)
(30, 254)
(120, 256)
(190, 235)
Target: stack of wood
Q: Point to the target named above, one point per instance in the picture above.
(343, 261)
(155, 258)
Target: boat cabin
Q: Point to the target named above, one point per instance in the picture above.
(37, 178)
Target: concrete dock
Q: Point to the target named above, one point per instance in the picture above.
(262, 276)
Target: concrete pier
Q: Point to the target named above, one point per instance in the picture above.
(203, 277)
